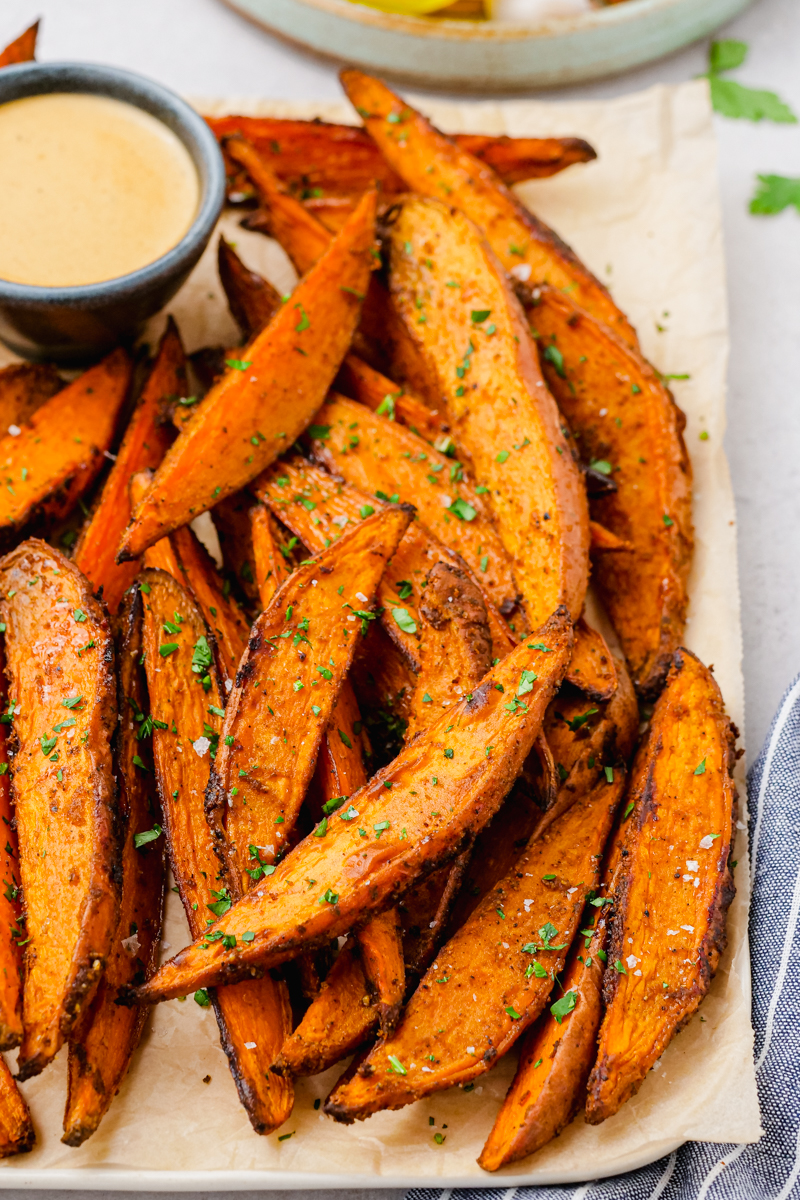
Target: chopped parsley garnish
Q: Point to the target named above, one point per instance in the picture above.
(563, 1006)
(404, 620)
(149, 835)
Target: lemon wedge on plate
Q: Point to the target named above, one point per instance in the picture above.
(406, 8)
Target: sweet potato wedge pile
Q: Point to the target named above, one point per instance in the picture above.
(324, 650)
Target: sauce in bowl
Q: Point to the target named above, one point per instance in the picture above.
(91, 188)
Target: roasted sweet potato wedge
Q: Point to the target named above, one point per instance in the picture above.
(591, 668)
(11, 923)
(231, 519)
(433, 165)
(252, 300)
(103, 1043)
(474, 751)
(255, 411)
(493, 978)
(24, 387)
(670, 906)
(269, 565)
(456, 303)
(382, 459)
(299, 653)
(358, 379)
(63, 705)
(146, 441)
(625, 421)
(258, 1009)
(16, 1128)
(314, 156)
(22, 49)
(56, 456)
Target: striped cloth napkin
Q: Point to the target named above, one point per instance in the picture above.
(770, 1168)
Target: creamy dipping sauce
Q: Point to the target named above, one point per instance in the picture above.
(90, 189)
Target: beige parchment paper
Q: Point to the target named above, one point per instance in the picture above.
(646, 219)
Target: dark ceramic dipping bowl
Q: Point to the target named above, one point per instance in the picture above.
(78, 324)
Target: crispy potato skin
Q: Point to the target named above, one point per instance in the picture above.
(251, 415)
(24, 387)
(231, 518)
(656, 898)
(434, 165)
(11, 931)
(377, 455)
(592, 667)
(58, 647)
(146, 441)
(258, 1009)
(366, 385)
(285, 691)
(269, 565)
(622, 414)
(16, 1128)
(504, 420)
(101, 1047)
(476, 998)
(58, 454)
(22, 49)
(344, 160)
(252, 300)
(368, 874)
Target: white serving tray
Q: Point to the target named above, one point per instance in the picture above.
(442, 53)
(645, 216)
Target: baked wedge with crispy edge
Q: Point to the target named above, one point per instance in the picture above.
(11, 920)
(258, 1009)
(102, 1044)
(16, 1128)
(22, 49)
(253, 413)
(469, 328)
(24, 387)
(56, 456)
(474, 752)
(625, 421)
(146, 441)
(671, 902)
(63, 701)
(434, 165)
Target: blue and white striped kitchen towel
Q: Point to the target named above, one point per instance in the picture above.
(769, 1169)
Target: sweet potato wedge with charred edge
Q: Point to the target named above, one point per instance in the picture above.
(433, 165)
(22, 49)
(343, 159)
(16, 1128)
(24, 387)
(11, 925)
(670, 906)
(299, 652)
(258, 1009)
(103, 1043)
(483, 989)
(58, 454)
(252, 414)
(269, 565)
(253, 301)
(361, 875)
(62, 695)
(382, 459)
(623, 417)
(505, 423)
(146, 441)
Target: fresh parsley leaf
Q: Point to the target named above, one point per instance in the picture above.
(404, 620)
(774, 193)
(150, 835)
(732, 99)
(463, 510)
(726, 54)
(563, 1006)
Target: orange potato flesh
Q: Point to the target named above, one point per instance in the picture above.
(258, 1009)
(22, 49)
(146, 441)
(16, 1128)
(24, 387)
(253, 413)
(376, 455)
(11, 930)
(592, 667)
(457, 305)
(366, 385)
(252, 300)
(443, 633)
(482, 992)
(668, 928)
(602, 540)
(269, 566)
(60, 668)
(101, 1047)
(367, 873)
(433, 165)
(58, 454)
(316, 156)
(621, 414)
(299, 653)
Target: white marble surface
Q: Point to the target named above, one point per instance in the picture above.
(200, 47)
